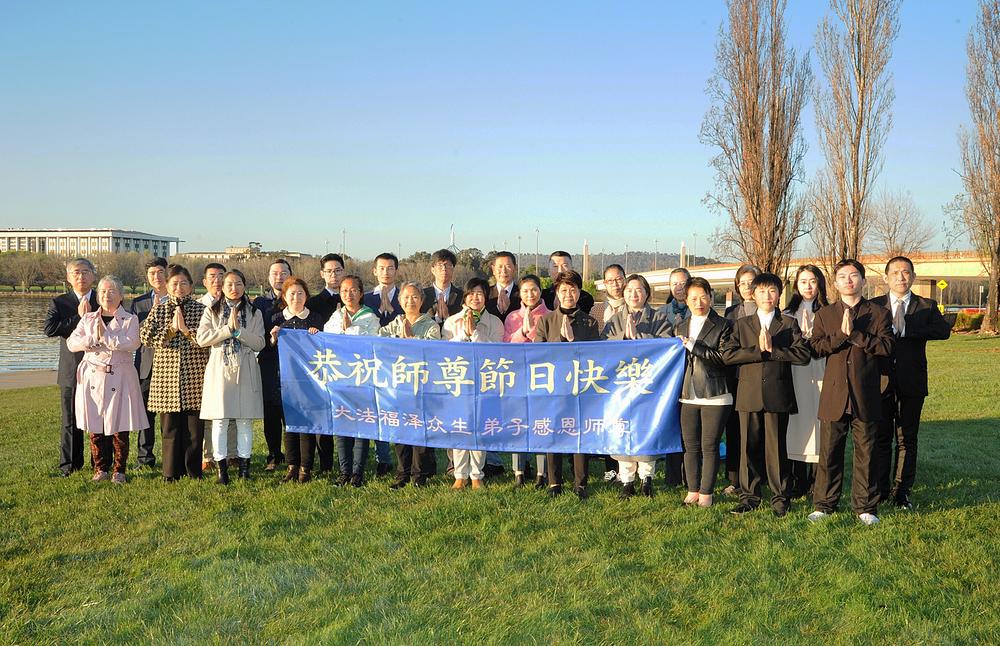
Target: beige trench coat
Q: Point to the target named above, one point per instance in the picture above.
(231, 392)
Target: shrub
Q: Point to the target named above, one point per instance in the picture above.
(966, 322)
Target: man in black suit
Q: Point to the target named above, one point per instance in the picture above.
(505, 295)
(267, 359)
(325, 303)
(156, 277)
(915, 321)
(560, 261)
(442, 299)
(61, 319)
(765, 345)
(384, 297)
(853, 334)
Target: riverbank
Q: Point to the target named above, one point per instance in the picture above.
(17, 379)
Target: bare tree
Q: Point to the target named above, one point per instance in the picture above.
(898, 227)
(24, 267)
(853, 118)
(979, 206)
(758, 90)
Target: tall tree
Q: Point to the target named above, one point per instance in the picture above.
(980, 147)
(758, 90)
(853, 118)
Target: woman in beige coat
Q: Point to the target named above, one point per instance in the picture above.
(234, 329)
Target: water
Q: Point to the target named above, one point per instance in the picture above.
(23, 344)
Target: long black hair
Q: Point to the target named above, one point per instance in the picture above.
(244, 303)
(796, 300)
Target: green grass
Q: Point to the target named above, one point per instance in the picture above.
(261, 562)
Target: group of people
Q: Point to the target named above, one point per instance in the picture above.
(783, 387)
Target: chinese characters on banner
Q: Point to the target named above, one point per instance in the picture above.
(606, 397)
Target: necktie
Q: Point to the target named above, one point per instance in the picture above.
(566, 330)
(898, 320)
(385, 305)
(503, 300)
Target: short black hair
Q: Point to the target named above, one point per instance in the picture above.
(477, 283)
(560, 254)
(504, 254)
(853, 263)
(619, 268)
(387, 256)
(681, 270)
(157, 262)
(282, 261)
(569, 277)
(700, 283)
(899, 259)
(335, 257)
(443, 255)
(357, 281)
(767, 280)
(213, 265)
(639, 277)
(175, 270)
(532, 279)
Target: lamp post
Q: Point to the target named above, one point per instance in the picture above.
(536, 251)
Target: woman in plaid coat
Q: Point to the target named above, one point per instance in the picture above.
(178, 374)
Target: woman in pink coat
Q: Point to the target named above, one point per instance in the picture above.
(108, 399)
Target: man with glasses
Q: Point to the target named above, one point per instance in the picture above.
(326, 302)
(442, 299)
(65, 312)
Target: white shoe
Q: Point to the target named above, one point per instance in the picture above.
(818, 516)
(868, 519)
(610, 476)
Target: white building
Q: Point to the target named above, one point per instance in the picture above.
(87, 242)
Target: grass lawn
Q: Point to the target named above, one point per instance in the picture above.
(262, 562)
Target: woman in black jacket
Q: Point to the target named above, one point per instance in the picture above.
(705, 398)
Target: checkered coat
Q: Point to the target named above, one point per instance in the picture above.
(178, 361)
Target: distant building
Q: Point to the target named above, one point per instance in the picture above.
(240, 254)
(86, 242)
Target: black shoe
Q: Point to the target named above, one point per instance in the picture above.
(555, 490)
(742, 508)
(65, 473)
(292, 474)
(540, 481)
(419, 481)
(382, 468)
(647, 486)
(780, 512)
(492, 470)
(244, 472)
(581, 492)
(398, 484)
(357, 480)
(628, 490)
(902, 501)
(223, 477)
(304, 475)
(272, 463)
(342, 480)
(519, 480)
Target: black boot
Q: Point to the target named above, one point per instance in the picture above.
(647, 486)
(628, 490)
(540, 481)
(292, 474)
(245, 468)
(223, 478)
(519, 480)
(304, 475)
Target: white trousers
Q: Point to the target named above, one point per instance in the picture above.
(468, 464)
(209, 452)
(220, 438)
(629, 465)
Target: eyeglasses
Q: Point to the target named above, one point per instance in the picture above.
(79, 272)
(616, 281)
(327, 272)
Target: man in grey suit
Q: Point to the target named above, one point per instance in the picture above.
(156, 277)
(63, 315)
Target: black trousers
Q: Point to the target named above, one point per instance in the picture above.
(274, 423)
(554, 464)
(183, 435)
(830, 470)
(802, 476)
(900, 422)
(701, 429)
(300, 449)
(764, 456)
(70, 437)
(146, 438)
(673, 468)
(733, 447)
(324, 446)
(410, 461)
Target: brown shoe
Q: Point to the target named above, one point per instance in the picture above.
(101, 476)
(459, 484)
(207, 465)
(477, 484)
(292, 475)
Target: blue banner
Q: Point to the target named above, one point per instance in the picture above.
(603, 397)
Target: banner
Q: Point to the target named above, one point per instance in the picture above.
(602, 397)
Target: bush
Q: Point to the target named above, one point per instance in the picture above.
(966, 322)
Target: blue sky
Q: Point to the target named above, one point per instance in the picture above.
(287, 123)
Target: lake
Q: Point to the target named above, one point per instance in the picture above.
(23, 344)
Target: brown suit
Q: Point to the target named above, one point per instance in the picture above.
(851, 400)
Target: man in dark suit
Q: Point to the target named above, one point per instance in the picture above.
(915, 321)
(853, 334)
(505, 295)
(384, 297)
(267, 359)
(325, 303)
(765, 345)
(61, 319)
(442, 299)
(156, 277)
(560, 261)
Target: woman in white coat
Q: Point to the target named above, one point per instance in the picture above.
(108, 398)
(234, 329)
